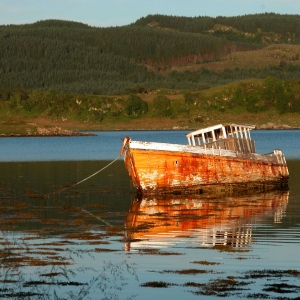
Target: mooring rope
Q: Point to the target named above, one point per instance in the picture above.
(95, 217)
(68, 187)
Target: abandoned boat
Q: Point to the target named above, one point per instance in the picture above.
(217, 159)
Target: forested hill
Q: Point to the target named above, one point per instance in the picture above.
(249, 28)
(154, 52)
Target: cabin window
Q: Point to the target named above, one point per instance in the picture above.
(219, 132)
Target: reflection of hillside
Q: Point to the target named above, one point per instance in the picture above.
(226, 221)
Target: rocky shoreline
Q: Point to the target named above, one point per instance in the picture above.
(48, 132)
(274, 126)
(59, 132)
(53, 135)
(267, 126)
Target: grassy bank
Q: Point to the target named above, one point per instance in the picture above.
(268, 103)
(30, 125)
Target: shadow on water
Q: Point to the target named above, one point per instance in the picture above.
(88, 241)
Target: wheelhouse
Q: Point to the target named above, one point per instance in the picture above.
(224, 136)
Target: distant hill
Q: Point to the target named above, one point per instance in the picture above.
(154, 52)
(258, 28)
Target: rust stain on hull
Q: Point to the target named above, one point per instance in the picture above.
(162, 172)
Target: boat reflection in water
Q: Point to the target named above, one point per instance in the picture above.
(159, 223)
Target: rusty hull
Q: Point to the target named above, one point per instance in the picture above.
(163, 172)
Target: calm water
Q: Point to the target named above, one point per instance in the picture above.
(106, 145)
(96, 240)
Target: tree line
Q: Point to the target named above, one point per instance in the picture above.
(271, 93)
(288, 26)
(71, 57)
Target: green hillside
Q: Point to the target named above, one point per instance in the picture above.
(159, 72)
(258, 28)
(76, 58)
(268, 103)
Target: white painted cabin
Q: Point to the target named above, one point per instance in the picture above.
(224, 136)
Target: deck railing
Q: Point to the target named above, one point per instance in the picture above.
(234, 144)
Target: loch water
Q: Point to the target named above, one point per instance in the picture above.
(96, 240)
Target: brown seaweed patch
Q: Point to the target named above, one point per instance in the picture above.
(293, 272)
(19, 295)
(4, 182)
(188, 271)
(98, 243)
(281, 288)
(15, 262)
(10, 250)
(5, 243)
(42, 253)
(53, 263)
(258, 296)
(37, 232)
(29, 238)
(83, 236)
(4, 254)
(8, 281)
(221, 287)
(105, 250)
(58, 283)
(62, 243)
(228, 248)
(115, 231)
(25, 215)
(50, 249)
(52, 274)
(193, 284)
(256, 274)
(6, 227)
(77, 221)
(69, 208)
(207, 263)
(157, 252)
(48, 221)
(157, 284)
(29, 193)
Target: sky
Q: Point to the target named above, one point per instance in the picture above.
(106, 13)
